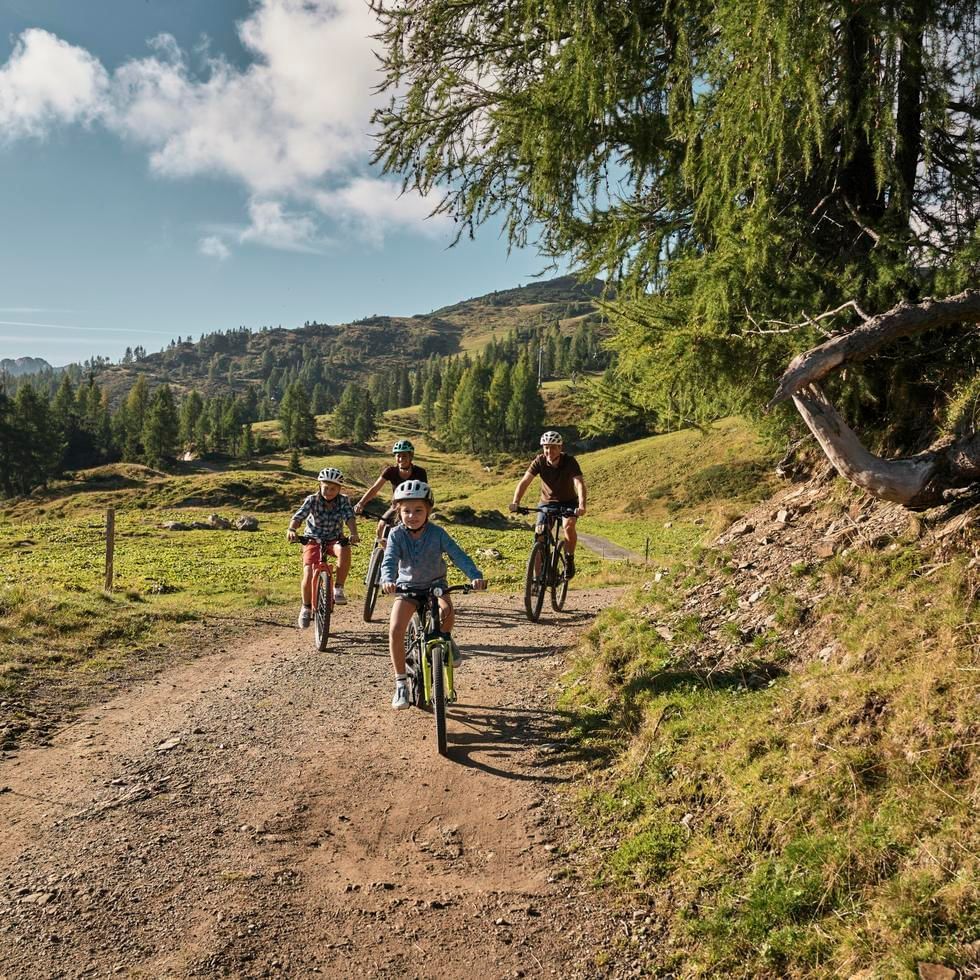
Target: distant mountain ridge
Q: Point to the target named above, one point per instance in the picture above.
(230, 361)
(15, 367)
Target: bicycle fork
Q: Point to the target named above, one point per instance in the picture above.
(447, 666)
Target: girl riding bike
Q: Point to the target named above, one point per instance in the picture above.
(413, 557)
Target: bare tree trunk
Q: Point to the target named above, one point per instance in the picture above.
(917, 481)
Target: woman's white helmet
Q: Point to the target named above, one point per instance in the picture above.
(552, 438)
(413, 490)
(331, 474)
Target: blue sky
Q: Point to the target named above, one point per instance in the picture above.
(173, 167)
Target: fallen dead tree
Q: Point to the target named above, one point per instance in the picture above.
(917, 481)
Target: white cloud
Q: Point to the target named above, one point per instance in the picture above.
(292, 127)
(47, 81)
(272, 225)
(213, 247)
(374, 207)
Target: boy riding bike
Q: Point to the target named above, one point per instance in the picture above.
(562, 484)
(414, 557)
(404, 469)
(325, 514)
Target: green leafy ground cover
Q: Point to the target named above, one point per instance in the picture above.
(809, 819)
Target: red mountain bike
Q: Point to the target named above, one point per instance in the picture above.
(322, 594)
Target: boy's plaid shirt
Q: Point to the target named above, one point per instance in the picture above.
(325, 521)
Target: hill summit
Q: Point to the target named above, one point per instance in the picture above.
(229, 361)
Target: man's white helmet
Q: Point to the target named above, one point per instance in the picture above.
(552, 438)
(413, 490)
(331, 475)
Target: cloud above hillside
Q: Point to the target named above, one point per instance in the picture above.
(292, 128)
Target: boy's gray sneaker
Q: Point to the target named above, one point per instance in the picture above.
(400, 700)
(305, 615)
(457, 653)
(338, 596)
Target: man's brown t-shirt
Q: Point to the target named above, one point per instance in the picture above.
(557, 482)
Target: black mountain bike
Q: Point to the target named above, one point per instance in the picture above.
(547, 565)
(372, 580)
(429, 658)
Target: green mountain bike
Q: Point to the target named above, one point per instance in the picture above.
(429, 656)
(547, 565)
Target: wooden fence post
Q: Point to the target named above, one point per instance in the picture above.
(646, 553)
(110, 544)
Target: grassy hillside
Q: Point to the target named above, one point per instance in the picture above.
(784, 751)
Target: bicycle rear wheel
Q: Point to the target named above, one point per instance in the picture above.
(373, 583)
(322, 604)
(559, 577)
(439, 695)
(534, 581)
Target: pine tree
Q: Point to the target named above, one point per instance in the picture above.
(345, 414)
(296, 418)
(498, 401)
(133, 418)
(191, 407)
(161, 428)
(38, 447)
(468, 422)
(525, 413)
(427, 411)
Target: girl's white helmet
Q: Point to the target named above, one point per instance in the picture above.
(413, 490)
(552, 438)
(331, 475)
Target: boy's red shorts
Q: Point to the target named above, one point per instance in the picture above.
(311, 551)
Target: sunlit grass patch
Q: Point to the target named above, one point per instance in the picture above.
(817, 822)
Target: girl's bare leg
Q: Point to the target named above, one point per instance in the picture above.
(401, 614)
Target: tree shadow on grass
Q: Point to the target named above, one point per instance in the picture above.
(598, 734)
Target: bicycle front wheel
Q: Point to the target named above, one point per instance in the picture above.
(414, 652)
(321, 610)
(373, 583)
(534, 581)
(559, 577)
(439, 695)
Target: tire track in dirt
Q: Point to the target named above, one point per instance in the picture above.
(263, 812)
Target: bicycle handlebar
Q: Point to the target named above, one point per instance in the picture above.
(306, 539)
(426, 589)
(547, 509)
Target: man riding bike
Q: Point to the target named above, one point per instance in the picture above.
(562, 484)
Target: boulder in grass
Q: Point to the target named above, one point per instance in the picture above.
(246, 523)
(176, 526)
(218, 522)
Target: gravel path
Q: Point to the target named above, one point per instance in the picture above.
(261, 811)
(608, 549)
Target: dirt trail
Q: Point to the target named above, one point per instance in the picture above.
(263, 812)
(608, 549)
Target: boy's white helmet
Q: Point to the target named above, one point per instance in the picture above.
(331, 475)
(552, 438)
(413, 490)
